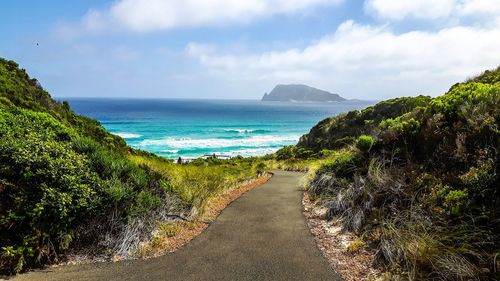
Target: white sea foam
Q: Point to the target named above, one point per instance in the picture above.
(127, 135)
(239, 131)
(251, 152)
(252, 142)
(171, 151)
(246, 131)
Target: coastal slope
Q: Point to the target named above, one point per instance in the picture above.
(302, 93)
(69, 187)
(415, 179)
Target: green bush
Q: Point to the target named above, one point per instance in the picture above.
(145, 202)
(401, 125)
(455, 201)
(45, 181)
(303, 153)
(342, 130)
(427, 192)
(365, 143)
(60, 172)
(287, 152)
(342, 164)
(261, 168)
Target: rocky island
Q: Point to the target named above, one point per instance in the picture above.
(298, 92)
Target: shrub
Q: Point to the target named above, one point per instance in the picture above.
(455, 201)
(426, 195)
(261, 168)
(355, 245)
(46, 182)
(144, 202)
(324, 153)
(340, 131)
(341, 164)
(287, 152)
(60, 173)
(401, 125)
(303, 153)
(365, 143)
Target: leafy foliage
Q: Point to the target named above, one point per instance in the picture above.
(418, 178)
(365, 143)
(17, 88)
(342, 130)
(66, 183)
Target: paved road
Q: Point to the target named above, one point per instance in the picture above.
(261, 236)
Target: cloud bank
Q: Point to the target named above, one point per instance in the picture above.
(430, 9)
(372, 58)
(155, 15)
(386, 61)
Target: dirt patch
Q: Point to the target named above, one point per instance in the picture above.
(169, 237)
(343, 250)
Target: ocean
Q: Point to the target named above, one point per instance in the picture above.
(193, 128)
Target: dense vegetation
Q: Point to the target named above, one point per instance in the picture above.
(66, 184)
(417, 179)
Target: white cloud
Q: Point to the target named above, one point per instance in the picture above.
(374, 56)
(473, 7)
(369, 61)
(399, 9)
(430, 9)
(151, 15)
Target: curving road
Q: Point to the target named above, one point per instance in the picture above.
(261, 236)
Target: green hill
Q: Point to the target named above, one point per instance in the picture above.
(416, 178)
(68, 185)
(59, 173)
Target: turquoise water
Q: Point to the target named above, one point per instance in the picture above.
(192, 128)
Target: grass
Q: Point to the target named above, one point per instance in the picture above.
(356, 245)
(417, 178)
(197, 182)
(205, 186)
(169, 236)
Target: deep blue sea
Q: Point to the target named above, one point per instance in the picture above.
(192, 128)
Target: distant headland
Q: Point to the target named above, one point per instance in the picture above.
(302, 93)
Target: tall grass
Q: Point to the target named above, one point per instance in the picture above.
(196, 183)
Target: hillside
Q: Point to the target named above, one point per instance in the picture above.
(69, 186)
(302, 93)
(60, 172)
(416, 179)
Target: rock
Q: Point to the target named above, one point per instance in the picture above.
(300, 93)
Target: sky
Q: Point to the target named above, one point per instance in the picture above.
(240, 49)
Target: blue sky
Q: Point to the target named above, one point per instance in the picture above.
(239, 49)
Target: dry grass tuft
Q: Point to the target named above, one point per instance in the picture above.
(345, 252)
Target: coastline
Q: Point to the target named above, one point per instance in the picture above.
(193, 128)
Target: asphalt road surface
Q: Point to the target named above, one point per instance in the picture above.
(261, 236)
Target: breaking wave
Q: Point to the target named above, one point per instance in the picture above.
(250, 142)
(127, 135)
(247, 131)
